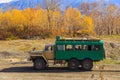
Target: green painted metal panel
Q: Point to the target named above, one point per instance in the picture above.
(82, 54)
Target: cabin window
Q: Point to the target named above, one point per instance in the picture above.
(61, 47)
(87, 47)
(96, 47)
(69, 47)
(78, 47)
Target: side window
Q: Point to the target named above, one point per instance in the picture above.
(61, 47)
(87, 47)
(50, 48)
(96, 47)
(69, 47)
(78, 47)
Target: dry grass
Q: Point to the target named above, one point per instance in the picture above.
(20, 48)
(22, 45)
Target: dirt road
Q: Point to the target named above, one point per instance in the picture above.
(25, 71)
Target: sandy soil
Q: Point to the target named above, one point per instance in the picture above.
(25, 71)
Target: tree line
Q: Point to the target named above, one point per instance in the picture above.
(38, 22)
(88, 18)
(106, 17)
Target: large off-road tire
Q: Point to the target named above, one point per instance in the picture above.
(87, 64)
(39, 64)
(73, 64)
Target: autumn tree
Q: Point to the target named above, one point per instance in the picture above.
(44, 23)
(51, 6)
(106, 23)
(71, 20)
(76, 23)
(1, 27)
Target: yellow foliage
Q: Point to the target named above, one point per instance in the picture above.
(17, 17)
(21, 27)
(41, 22)
(75, 22)
(72, 14)
(1, 14)
(89, 24)
(111, 8)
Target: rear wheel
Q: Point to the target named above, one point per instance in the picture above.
(73, 64)
(39, 64)
(87, 64)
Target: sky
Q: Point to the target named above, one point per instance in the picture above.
(4, 1)
(112, 1)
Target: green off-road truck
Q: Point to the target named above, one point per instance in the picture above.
(74, 53)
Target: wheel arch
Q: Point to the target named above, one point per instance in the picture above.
(74, 58)
(88, 59)
(40, 57)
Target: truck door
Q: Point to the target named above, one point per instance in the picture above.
(49, 54)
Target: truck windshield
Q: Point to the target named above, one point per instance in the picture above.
(48, 48)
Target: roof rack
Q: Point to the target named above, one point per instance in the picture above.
(76, 39)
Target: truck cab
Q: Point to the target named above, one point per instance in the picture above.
(41, 57)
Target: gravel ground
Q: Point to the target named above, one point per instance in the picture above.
(25, 71)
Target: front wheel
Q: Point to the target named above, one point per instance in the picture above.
(39, 64)
(87, 64)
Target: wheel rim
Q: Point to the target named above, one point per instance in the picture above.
(87, 64)
(38, 65)
(73, 64)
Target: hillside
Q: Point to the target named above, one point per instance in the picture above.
(22, 4)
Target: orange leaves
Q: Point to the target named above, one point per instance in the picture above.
(17, 17)
(42, 22)
(77, 23)
(89, 24)
(6, 18)
(1, 14)
(111, 8)
(72, 14)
